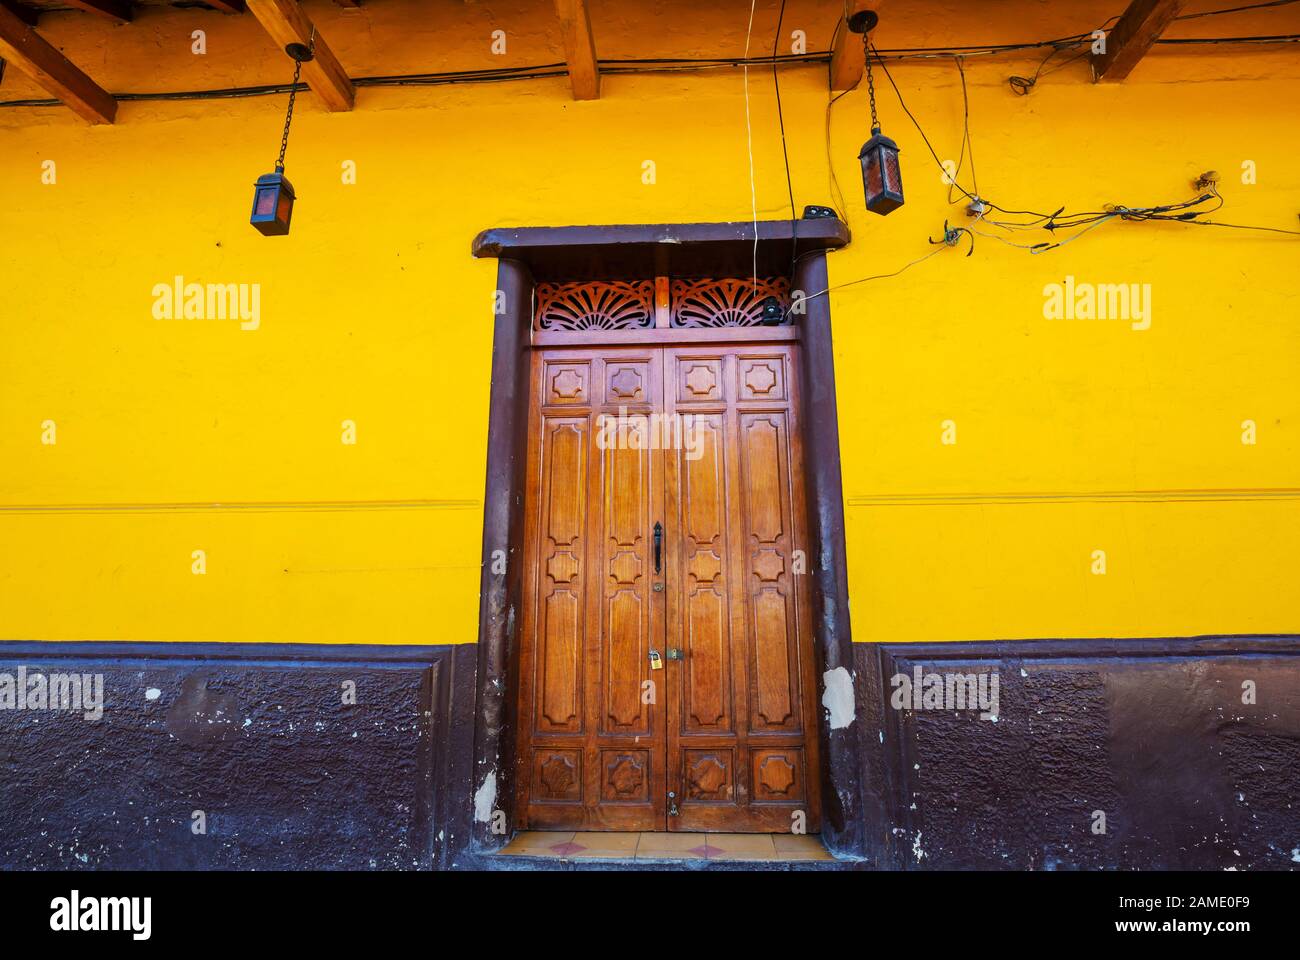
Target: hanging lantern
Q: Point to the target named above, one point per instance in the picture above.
(882, 179)
(273, 198)
(273, 194)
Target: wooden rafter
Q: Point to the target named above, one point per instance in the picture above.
(29, 52)
(116, 10)
(287, 23)
(579, 48)
(1138, 28)
(227, 6)
(28, 15)
(848, 59)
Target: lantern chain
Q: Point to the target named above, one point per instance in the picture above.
(293, 95)
(871, 85)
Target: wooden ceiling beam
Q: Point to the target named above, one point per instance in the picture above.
(27, 50)
(28, 15)
(116, 10)
(848, 58)
(287, 23)
(1128, 42)
(579, 48)
(226, 6)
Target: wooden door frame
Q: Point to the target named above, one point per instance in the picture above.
(529, 255)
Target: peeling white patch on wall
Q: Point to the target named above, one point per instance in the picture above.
(485, 798)
(837, 698)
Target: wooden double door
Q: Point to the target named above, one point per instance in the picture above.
(666, 667)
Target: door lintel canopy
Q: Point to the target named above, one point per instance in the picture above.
(644, 251)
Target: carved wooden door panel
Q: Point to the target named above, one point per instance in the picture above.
(591, 734)
(742, 722)
(723, 737)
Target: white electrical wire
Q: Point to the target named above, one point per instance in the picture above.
(749, 139)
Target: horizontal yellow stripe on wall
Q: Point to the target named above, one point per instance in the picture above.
(983, 570)
(1093, 496)
(295, 576)
(322, 506)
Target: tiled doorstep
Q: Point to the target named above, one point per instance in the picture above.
(666, 846)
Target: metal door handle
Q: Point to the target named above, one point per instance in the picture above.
(659, 546)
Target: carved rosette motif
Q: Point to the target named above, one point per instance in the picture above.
(729, 302)
(626, 776)
(776, 775)
(706, 778)
(597, 305)
(558, 775)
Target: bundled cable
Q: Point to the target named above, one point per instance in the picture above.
(1191, 211)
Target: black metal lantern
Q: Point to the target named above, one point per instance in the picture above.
(273, 198)
(273, 194)
(882, 181)
(882, 178)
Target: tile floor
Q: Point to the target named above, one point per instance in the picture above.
(665, 846)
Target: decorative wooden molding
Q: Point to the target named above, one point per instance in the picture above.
(1138, 28)
(621, 305)
(287, 23)
(579, 48)
(29, 52)
(730, 302)
(598, 305)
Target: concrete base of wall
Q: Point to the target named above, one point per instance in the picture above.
(253, 744)
(1152, 740)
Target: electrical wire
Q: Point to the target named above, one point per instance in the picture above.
(837, 195)
(749, 136)
(931, 53)
(799, 302)
(1022, 85)
(637, 66)
(1058, 220)
(831, 99)
(1252, 6)
(1187, 211)
(967, 147)
(785, 151)
(916, 123)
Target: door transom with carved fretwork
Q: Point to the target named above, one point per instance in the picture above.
(666, 668)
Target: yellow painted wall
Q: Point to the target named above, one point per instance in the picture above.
(175, 436)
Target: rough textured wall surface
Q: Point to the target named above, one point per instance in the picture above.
(1154, 735)
(285, 774)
